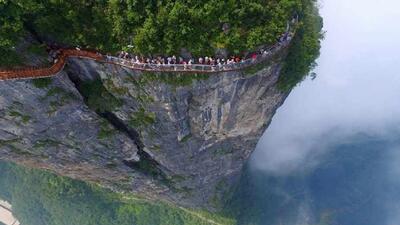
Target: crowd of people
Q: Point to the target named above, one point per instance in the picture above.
(174, 61)
(213, 62)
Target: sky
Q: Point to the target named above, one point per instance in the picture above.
(357, 89)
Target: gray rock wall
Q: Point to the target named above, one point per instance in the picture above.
(177, 138)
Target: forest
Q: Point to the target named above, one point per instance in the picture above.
(42, 198)
(148, 27)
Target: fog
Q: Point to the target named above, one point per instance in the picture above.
(332, 152)
(357, 89)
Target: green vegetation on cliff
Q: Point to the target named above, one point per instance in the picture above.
(41, 198)
(151, 26)
(305, 47)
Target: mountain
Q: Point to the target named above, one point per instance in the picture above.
(177, 137)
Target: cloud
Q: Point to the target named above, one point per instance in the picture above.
(356, 91)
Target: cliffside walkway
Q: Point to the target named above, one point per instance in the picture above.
(37, 72)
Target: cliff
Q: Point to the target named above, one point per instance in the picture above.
(182, 138)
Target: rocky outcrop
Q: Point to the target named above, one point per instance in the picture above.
(181, 138)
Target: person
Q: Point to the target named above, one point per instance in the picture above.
(219, 64)
(200, 60)
(190, 63)
(174, 59)
(265, 53)
(184, 65)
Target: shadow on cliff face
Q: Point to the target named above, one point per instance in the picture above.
(101, 101)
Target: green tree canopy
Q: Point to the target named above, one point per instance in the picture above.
(41, 198)
(163, 26)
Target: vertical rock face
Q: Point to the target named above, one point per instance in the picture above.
(51, 127)
(182, 138)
